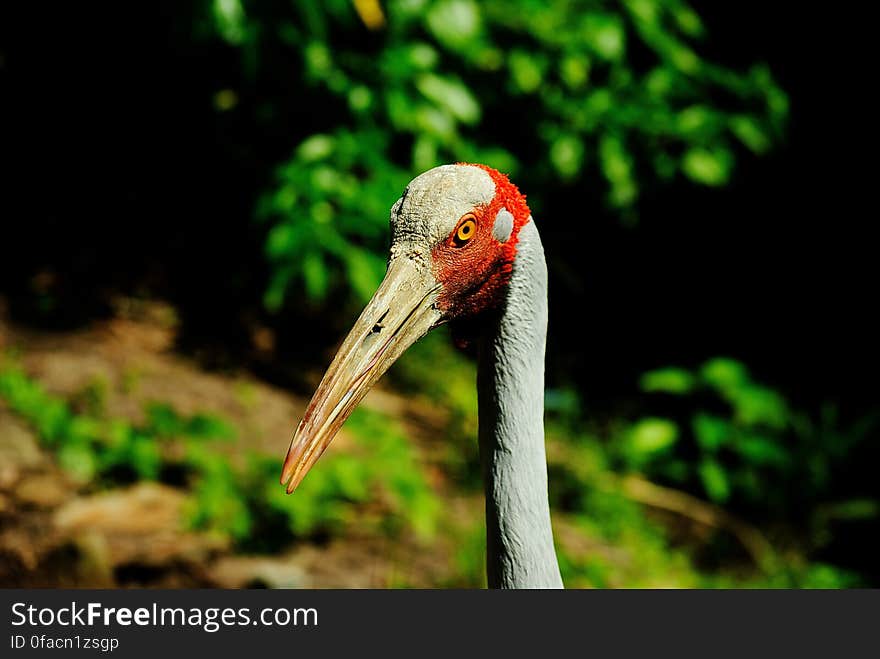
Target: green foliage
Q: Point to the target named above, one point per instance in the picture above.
(470, 557)
(452, 395)
(797, 575)
(388, 461)
(627, 548)
(90, 446)
(242, 502)
(250, 506)
(716, 434)
(649, 437)
(615, 89)
(670, 380)
(740, 442)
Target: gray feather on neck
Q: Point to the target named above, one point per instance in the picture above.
(520, 552)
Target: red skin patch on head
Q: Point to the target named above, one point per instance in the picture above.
(475, 274)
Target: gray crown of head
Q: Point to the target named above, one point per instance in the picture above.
(434, 201)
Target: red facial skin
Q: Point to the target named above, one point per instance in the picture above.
(474, 274)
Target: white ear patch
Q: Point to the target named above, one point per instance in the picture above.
(503, 225)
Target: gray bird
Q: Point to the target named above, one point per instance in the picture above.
(464, 248)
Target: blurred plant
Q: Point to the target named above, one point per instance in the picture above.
(626, 547)
(90, 446)
(451, 399)
(242, 502)
(249, 505)
(738, 440)
(595, 496)
(800, 574)
(610, 88)
(470, 557)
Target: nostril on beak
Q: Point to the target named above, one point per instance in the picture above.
(378, 327)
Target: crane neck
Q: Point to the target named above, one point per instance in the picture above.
(510, 382)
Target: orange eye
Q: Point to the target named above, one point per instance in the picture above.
(465, 231)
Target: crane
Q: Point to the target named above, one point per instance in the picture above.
(464, 248)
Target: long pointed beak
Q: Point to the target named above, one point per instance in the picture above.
(401, 312)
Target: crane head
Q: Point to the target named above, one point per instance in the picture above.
(453, 241)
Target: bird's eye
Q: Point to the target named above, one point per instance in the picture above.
(465, 231)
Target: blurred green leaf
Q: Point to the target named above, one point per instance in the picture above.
(567, 154)
(725, 374)
(604, 33)
(761, 450)
(756, 405)
(144, 456)
(714, 480)
(526, 71)
(163, 420)
(699, 122)
(650, 436)
(316, 147)
(575, 70)
(856, 509)
(710, 167)
(365, 272)
(282, 241)
(422, 56)
(688, 20)
(712, 432)
(230, 20)
(454, 23)
(450, 94)
(315, 275)
(78, 461)
(750, 133)
(667, 380)
(208, 426)
(617, 167)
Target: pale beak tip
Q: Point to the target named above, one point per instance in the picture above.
(289, 482)
(288, 471)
